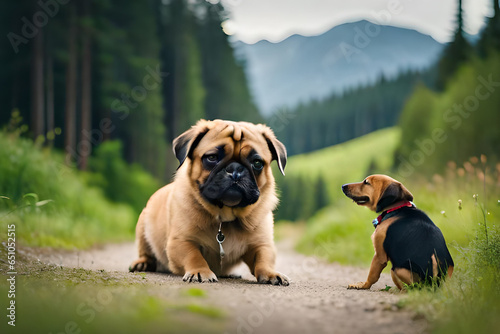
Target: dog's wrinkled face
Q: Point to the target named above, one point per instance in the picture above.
(229, 161)
(377, 192)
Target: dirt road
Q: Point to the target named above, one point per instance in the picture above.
(316, 301)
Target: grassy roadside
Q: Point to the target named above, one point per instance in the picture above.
(52, 205)
(463, 202)
(53, 299)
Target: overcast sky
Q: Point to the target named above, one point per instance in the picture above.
(275, 20)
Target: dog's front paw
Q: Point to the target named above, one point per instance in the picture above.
(272, 277)
(359, 286)
(143, 264)
(202, 276)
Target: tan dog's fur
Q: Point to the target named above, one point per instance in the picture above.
(377, 186)
(178, 227)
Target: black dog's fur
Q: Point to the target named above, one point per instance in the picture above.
(414, 236)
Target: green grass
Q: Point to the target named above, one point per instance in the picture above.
(345, 227)
(348, 162)
(341, 232)
(51, 299)
(61, 210)
(470, 301)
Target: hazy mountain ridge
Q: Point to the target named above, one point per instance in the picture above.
(301, 68)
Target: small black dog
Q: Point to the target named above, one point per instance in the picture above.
(404, 235)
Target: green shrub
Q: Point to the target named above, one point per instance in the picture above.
(456, 124)
(121, 182)
(77, 215)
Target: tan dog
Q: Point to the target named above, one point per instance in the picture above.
(224, 190)
(403, 234)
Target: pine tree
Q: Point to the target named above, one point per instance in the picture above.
(71, 86)
(455, 53)
(490, 39)
(228, 95)
(183, 92)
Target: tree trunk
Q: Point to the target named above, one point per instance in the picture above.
(37, 101)
(70, 107)
(49, 94)
(86, 90)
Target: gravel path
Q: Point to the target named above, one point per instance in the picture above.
(316, 301)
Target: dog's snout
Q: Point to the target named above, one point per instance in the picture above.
(235, 170)
(345, 188)
(236, 175)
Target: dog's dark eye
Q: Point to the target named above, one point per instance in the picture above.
(366, 182)
(257, 164)
(210, 160)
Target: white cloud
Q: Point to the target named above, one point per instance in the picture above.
(275, 20)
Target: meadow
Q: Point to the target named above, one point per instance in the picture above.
(464, 202)
(53, 205)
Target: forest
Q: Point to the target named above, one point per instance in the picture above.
(111, 84)
(80, 73)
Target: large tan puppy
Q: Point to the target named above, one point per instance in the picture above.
(224, 182)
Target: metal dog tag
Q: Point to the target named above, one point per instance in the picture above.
(220, 239)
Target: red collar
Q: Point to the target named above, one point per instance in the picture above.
(383, 215)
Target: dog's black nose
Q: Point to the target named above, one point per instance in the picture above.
(344, 188)
(236, 175)
(236, 170)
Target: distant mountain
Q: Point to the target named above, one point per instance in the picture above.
(301, 68)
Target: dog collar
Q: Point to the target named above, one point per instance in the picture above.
(386, 214)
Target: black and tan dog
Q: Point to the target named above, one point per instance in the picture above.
(404, 235)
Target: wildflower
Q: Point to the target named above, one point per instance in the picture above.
(468, 167)
(443, 213)
(474, 160)
(460, 204)
(483, 158)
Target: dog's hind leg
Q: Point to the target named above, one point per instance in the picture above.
(146, 260)
(405, 276)
(450, 271)
(397, 280)
(435, 269)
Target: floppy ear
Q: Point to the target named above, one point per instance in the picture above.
(278, 151)
(185, 144)
(395, 192)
